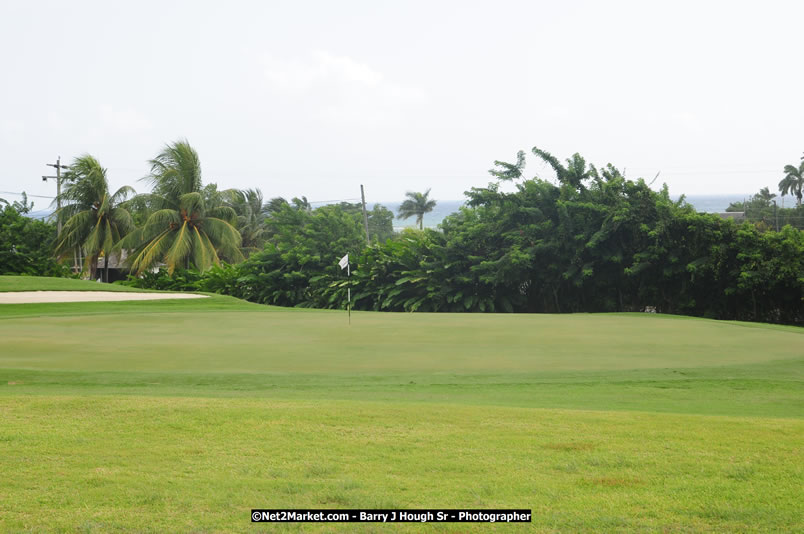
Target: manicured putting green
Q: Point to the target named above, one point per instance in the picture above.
(315, 341)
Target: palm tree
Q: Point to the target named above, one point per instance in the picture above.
(302, 203)
(793, 181)
(183, 230)
(765, 195)
(93, 219)
(275, 204)
(251, 212)
(417, 204)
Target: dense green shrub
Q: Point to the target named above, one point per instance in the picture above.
(180, 280)
(26, 245)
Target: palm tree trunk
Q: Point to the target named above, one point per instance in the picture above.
(106, 268)
(93, 267)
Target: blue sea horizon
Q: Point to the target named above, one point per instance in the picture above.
(702, 203)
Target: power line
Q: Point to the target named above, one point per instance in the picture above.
(24, 193)
(332, 201)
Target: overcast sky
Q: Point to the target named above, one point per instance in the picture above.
(315, 98)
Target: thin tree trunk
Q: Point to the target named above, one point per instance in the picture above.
(106, 268)
(555, 296)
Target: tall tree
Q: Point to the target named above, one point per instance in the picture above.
(275, 204)
(183, 230)
(574, 173)
(251, 213)
(765, 195)
(302, 203)
(93, 219)
(417, 204)
(26, 244)
(793, 181)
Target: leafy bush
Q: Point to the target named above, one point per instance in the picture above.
(181, 280)
(26, 245)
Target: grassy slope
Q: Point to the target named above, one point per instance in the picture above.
(116, 418)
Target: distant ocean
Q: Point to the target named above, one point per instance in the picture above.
(703, 203)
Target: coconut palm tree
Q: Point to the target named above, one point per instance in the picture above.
(417, 204)
(275, 204)
(93, 219)
(251, 213)
(793, 181)
(182, 231)
(765, 196)
(302, 203)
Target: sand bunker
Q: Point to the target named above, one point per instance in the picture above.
(29, 297)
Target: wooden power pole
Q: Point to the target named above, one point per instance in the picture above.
(365, 215)
(58, 167)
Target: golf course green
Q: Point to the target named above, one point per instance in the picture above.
(183, 415)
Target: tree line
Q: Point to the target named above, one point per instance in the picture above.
(181, 223)
(592, 241)
(588, 241)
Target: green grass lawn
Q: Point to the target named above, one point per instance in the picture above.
(183, 415)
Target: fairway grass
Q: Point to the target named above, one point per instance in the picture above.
(196, 464)
(166, 416)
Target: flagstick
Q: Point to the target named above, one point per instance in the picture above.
(349, 294)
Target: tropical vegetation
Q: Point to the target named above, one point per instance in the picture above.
(583, 239)
(590, 241)
(793, 182)
(416, 205)
(26, 244)
(763, 210)
(94, 219)
(186, 227)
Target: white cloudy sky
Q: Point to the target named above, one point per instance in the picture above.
(315, 98)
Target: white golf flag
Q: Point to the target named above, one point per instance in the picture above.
(344, 262)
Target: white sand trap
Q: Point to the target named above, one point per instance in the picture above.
(34, 297)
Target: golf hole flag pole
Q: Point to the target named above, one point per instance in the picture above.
(344, 264)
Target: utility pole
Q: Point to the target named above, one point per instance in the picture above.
(365, 215)
(58, 167)
(776, 215)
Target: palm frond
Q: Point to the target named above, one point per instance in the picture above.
(509, 171)
(192, 204)
(181, 248)
(153, 252)
(176, 171)
(159, 221)
(122, 194)
(225, 213)
(550, 160)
